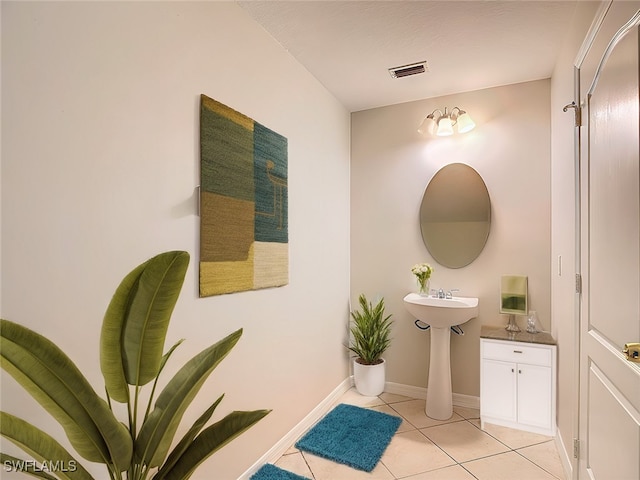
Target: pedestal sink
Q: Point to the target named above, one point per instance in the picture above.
(441, 314)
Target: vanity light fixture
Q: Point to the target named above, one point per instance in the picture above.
(442, 123)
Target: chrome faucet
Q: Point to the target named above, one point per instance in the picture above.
(441, 293)
(450, 292)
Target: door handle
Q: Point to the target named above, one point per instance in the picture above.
(632, 352)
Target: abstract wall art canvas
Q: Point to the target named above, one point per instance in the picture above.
(244, 241)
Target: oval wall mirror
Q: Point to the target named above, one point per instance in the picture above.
(455, 215)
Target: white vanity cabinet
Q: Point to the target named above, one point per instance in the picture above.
(518, 384)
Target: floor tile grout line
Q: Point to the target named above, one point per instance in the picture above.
(434, 443)
(313, 475)
(495, 438)
(531, 461)
(456, 463)
(549, 439)
(467, 470)
(509, 448)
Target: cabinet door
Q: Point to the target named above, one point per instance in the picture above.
(498, 390)
(534, 394)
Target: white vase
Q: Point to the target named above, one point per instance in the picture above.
(369, 379)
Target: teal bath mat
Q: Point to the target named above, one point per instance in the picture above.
(271, 472)
(351, 435)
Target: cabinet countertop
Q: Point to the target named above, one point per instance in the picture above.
(500, 333)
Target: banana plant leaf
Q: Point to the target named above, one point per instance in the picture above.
(136, 322)
(55, 382)
(188, 438)
(158, 430)
(111, 355)
(131, 345)
(209, 441)
(42, 448)
(163, 362)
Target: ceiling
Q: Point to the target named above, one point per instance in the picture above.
(468, 45)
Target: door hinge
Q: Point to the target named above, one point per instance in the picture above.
(578, 283)
(576, 448)
(577, 119)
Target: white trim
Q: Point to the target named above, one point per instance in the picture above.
(467, 401)
(406, 390)
(620, 34)
(279, 449)
(598, 20)
(459, 400)
(565, 458)
(275, 452)
(549, 432)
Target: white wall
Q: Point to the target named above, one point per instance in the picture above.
(99, 165)
(391, 165)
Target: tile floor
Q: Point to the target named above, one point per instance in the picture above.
(427, 449)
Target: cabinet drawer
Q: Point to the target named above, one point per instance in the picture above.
(517, 352)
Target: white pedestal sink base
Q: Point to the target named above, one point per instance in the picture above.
(439, 397)
(441, 314)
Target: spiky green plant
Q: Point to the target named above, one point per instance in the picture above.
(370, 331)
(131, 356)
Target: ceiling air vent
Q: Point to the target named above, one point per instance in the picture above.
(407, 70)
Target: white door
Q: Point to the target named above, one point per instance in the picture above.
(609, 426)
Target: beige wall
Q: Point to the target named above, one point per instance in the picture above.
(99, 166)
(391, 165)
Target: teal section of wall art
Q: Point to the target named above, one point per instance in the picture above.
(270, 179)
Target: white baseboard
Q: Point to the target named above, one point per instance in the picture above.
(459, 400)
(467, 401)
(275, 452)
(565, 458)
(405, 390)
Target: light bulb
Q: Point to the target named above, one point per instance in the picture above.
(465, 124)
(444, 127)
(428, 126)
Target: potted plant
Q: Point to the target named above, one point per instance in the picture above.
(131, 355)
(370, 333)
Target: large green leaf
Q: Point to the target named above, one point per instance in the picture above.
(163, 362)
(148, 315)
(158, 430)
(56, 383)
(42, 448)
(209, 441)
(111, 355)
(188, 437)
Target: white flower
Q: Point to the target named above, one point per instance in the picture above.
(422, 270)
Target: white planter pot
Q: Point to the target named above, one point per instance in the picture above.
(369, 379)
